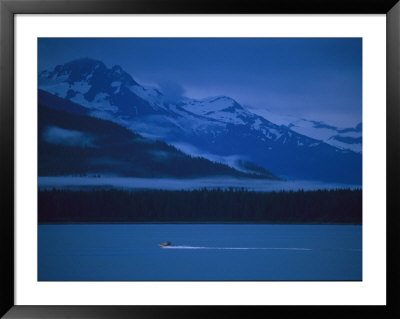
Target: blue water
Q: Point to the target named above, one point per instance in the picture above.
(130, 252)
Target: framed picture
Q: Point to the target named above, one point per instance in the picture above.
(159, 154)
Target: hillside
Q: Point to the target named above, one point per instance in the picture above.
(77, 144)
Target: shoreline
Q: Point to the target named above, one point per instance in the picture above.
(133, 184)
(199, 223)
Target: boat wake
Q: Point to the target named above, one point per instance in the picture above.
(233, 248)
(260, 248)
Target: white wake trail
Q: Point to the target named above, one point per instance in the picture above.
(234, 248)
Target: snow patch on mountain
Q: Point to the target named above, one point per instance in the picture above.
(220, 108)
(342, 138)
(59, 89)
(151, 95)
(100, 102)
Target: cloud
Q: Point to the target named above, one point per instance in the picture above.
(230, 160)
(58, 135)
(173, 92)
(159, 156)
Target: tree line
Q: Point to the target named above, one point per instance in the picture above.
(231, 205)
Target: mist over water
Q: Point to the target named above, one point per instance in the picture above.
(133, 183)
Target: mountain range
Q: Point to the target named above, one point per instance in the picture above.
(349, 138)
(218, 129)
(73, 143)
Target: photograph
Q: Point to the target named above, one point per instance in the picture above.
(199, 159)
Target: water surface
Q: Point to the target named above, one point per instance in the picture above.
(131, 252)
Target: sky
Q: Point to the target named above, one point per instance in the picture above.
(314, 78)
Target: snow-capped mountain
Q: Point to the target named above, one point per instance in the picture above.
(72, 143)
(217, 128)
(343, 138)
(91, 84)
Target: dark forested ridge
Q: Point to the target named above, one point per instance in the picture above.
(118, 206)
(76, 144)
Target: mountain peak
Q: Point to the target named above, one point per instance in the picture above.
(78, 70)
(92, 84)
(89, 62)
(220, 103)
(89, 70)
(219, 99)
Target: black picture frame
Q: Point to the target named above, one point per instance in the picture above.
(8, 8)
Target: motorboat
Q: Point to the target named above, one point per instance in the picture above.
(165, 244)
